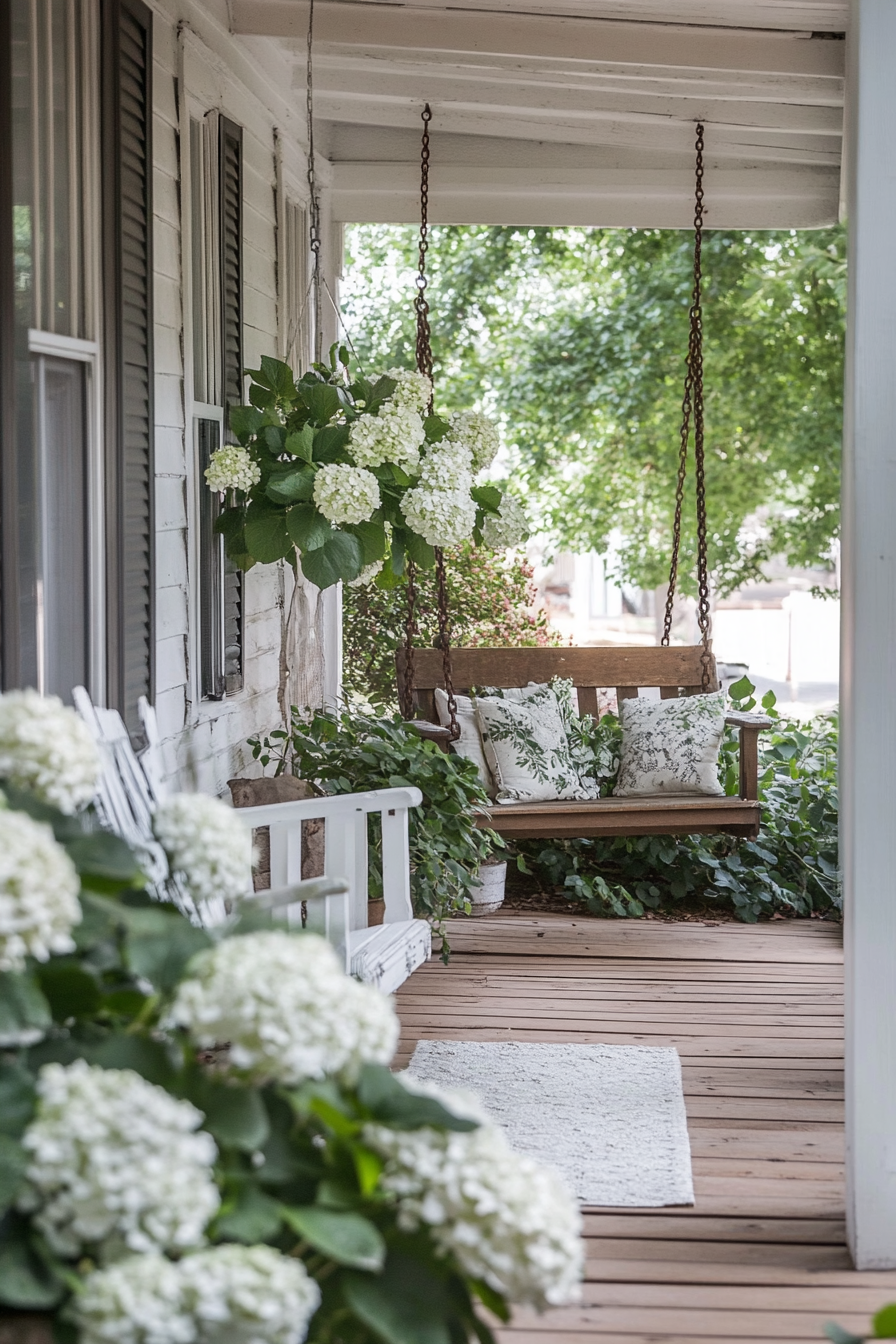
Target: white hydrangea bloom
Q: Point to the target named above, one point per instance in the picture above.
(249, 1295)
(447, 466)
(116, 1162)
(509, 528)
(232, 468)
(346, 494)
(39, 888)
(414, 390)
(286, 1008)
(478, 434)
(140, 1300)
(46, 748)
(224, 1295)
(367, 575)
(395, 435)
(506, 1218)
(206, 842)
(441, 517)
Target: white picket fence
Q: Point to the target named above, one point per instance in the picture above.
(336, 905)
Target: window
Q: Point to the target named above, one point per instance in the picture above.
(76, 348)
(53, 553)
(217, 357)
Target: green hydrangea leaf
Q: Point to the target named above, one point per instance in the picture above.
(346, 1237)
(340, 558)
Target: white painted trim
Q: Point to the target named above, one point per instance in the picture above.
(766, 197)
(868, 672)
(62, 347)
(505, 28)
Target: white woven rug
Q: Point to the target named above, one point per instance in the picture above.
(611, 1118)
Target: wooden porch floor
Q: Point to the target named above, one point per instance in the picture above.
(756, 1015)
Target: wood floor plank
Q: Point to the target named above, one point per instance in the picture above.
(755, 1013)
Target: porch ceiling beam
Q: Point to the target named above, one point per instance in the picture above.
(669, 45)
(812, 16)
(621, 130)
(757, 198)
(503, 94)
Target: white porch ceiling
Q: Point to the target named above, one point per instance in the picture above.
(575, 111)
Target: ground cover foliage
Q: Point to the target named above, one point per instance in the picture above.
(579, 336)
(491, 600)
(792, 868)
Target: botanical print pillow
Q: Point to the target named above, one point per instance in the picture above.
(469, 744)
(671, 746)
(526, 748)
(577, 736)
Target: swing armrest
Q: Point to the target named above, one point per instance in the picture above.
(433, 732)
(750, 725)
(739, 719)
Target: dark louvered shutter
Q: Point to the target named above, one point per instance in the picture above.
(127, 211)
(230, 179)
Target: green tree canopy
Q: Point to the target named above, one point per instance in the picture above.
(577, 338)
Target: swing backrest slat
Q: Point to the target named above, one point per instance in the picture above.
(673, 671)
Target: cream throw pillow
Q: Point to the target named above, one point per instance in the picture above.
(671, 746)
(526, 747)
(576, 737)
(469, 744)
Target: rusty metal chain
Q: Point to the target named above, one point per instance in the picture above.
(313, 196)
(445, 641)
(692, 407)
(421, 304)
(406, 689)
(424, 365)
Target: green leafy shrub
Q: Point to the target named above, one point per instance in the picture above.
(300, 1162)
(491, 599)
(792, 866)
(350, 752)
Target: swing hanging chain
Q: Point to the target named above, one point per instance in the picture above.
(410, 633)
(424, 366)
(313, 195)
(692, 405)
(421, 305)
(445, 641)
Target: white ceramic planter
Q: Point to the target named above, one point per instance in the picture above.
(489, 897)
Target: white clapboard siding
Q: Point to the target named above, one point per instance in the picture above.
(199, 65)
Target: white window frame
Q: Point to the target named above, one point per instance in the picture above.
(86, 290)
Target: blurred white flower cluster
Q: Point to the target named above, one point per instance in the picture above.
(509, 1221)
(367, 575)
(346, 494)
(478, 434)
(395, 435)
(115, 1162)
(232, 468)
(47, 749)
(39, 889)
(414, 390)
(207, 844)
(285, 1007)
(440, 507)
(225, 1295)
(509, 527)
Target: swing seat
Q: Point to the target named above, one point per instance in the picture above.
(673, 671)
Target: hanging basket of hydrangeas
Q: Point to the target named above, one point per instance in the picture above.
(351, 478)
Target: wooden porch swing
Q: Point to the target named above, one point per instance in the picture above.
(674, 671)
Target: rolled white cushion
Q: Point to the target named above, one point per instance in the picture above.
(469, 744)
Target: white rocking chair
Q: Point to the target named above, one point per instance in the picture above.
(132, 785)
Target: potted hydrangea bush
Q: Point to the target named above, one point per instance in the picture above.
(201, 1141)
(350, 477)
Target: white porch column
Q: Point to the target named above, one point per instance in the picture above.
(868, 671)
